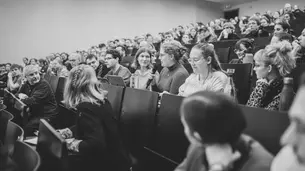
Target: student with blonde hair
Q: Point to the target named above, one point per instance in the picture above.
(272, 64)
(97, 141)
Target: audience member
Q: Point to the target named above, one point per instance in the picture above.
(205, 35)
(207, 75)
(271, 65)
(37, 94)
(173, 73)
(100, 69)
(144, 68)
(3, 76)
(97, 142)
(299, 48)
(254, 29)
(292, 155)
(113, 59)
(244, 50)
(14, 78)
(213, 124)
(228, 32)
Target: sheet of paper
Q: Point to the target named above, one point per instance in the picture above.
(32, 140)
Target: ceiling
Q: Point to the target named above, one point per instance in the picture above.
(231, 2)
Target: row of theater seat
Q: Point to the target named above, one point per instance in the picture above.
(24, 156)
(155, 132)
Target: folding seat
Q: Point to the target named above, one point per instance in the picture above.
(241, 78)
(26, 157)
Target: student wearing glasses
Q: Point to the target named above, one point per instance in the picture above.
(112, 61)
(207, 75)
(228, 32)
(272, 64)
(244, 51)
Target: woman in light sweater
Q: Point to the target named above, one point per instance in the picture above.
(208, 74)
(144, 70)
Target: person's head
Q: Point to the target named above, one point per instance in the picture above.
(128, 42)
(287, 8)
(287, 16)
(254, 23)
(274, 61)
(193, 32)
(281, 26)
(211, 118)
(16, 70)
(64, 56)
(203, 59)
(42, 62)
(186, 38)
(112, 58)
(301, 39)
(229, 27)
(203, 33)
(294, 136)
(170, 54)
(122, 50)
(111, 44)
(276, 14)
(264, 21)
(243, 46)
(145, 44)
(31, 74)
(168, 36)
(33, 61)
(8, 67)
(149, 38)
(280, 37)
(82, 86)
(143, 58)
(2, 68)
(93, 61)
(25, 60)
(74, 59)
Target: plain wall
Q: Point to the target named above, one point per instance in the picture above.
(265, 5)
(36, 28)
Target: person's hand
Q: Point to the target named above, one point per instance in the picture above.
(22, 96)
(10, 75)
(223, 155)
(296, 45)
(225, 33)
(65, 133)
(73, 145)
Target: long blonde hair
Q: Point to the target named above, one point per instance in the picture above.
(83, 86)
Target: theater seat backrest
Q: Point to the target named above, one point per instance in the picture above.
(170, 140)
(138, 117)
(26, 157)
(241, 78)
(266, 126)
(223, 54)
(115, 96)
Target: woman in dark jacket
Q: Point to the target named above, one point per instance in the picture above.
(272, 64)
(213, 124)
(97, 143)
